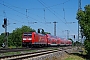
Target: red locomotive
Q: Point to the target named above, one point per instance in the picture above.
(31, 39)
(34, 39)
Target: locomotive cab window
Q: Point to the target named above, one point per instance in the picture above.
(24, 34)
(27, 34)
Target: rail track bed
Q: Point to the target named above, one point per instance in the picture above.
(13, 50)
(5, 50)
(32, 54)
(27, 55)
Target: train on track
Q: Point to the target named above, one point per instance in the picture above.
(34, 39)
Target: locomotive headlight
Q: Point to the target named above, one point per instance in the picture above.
(24, 38)
(29, 38)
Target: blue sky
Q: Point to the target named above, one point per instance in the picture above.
(44, 12)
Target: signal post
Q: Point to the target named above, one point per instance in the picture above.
(6, 34)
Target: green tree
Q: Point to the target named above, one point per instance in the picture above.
(83, 16)
(77, 43)
(2, 39)
(72, 41)
(16, 36)
(47, 33)
(10, 40)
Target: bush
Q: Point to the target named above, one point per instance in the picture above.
(87, 46)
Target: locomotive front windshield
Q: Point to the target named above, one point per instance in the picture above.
(27, 34)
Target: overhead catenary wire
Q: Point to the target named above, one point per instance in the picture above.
(17, 11)
(45, 10)
(23, 13)
(52, 12)
(4, 11)
(38, 8)
(58, 4)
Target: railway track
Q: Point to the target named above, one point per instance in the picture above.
(13, 50)
(31, 54)
(5, 50)
(28, 55)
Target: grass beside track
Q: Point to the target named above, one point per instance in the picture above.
(74, 57)
(78, 56)
(16, 53)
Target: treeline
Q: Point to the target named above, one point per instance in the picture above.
(83, 16)
(15, 38)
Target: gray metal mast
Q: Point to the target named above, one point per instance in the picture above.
(55, 28)
(79, 8)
